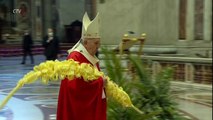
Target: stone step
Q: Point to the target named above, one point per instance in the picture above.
(10, 50)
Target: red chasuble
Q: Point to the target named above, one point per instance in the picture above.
(80, 100)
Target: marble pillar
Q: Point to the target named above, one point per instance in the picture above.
(90, 8)
(189, 72)
(190, 20)
(38, 20)
(46, 14)
(207, 20)
(32, 9)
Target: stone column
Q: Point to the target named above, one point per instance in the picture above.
(156, 67)
(189, 72)
(46, 14)
(90, 8)
(190, 20)
(32, 29)
(207, 20)
(94, 7)
(38, 20)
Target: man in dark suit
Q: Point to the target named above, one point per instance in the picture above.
(51, 45)
(27, 44)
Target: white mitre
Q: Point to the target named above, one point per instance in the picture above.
(90, 29)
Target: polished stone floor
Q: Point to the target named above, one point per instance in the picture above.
(39, 102)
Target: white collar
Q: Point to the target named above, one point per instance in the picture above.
(93, 59)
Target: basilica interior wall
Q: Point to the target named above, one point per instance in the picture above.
(158, 19)
(71, 10)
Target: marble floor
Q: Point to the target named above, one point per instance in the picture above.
(39, 102)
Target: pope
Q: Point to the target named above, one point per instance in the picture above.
(80, 100)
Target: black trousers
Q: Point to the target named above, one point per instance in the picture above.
(27, 52)
(54, 57)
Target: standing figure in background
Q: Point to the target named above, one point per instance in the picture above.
(51, 45)
(27, 44)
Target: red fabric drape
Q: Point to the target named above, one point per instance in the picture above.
(80, 100)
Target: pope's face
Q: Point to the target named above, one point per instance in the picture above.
(92, 45)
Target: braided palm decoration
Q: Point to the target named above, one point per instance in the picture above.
(58, 70)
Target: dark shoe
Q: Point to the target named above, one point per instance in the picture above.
(23, 63)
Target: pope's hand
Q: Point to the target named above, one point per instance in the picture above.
(105, 81)
(50, 39)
